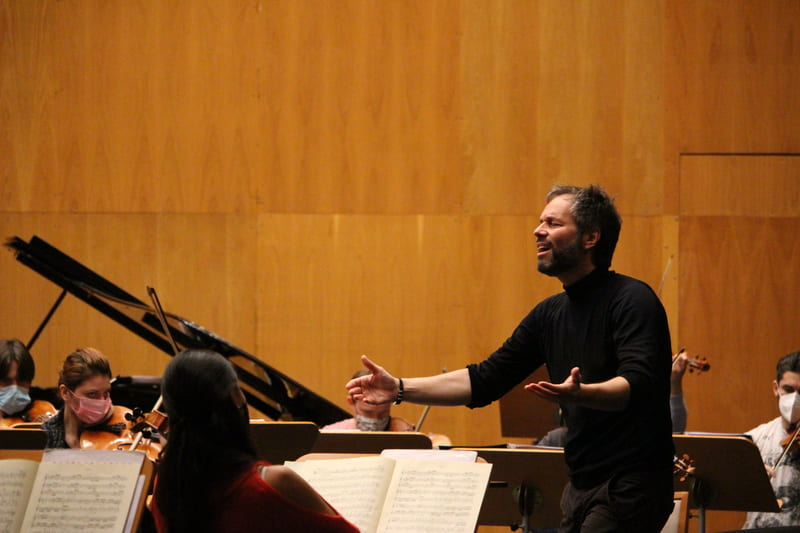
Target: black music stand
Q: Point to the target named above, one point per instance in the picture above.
(728, 475)
(22, 439)
(362, 442)
(524, 488)
(523, 414)
(278, 442)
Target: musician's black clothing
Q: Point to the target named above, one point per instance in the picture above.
(608, 325)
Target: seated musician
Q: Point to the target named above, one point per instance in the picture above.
(88, 418)
(772, 439)
(17, 370)
(378, 418)
(209, 478)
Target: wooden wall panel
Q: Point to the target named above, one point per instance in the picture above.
(562, 92)
(121, 107)
(758, 185)
(416, 293)
(326, 107)
(739, 275)
(363, 104)
(738, 287)
(734, 68)
(741, 314)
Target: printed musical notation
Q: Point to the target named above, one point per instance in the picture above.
(403, 495)
(90, 491)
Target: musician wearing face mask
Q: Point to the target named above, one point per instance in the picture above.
(785, 477)
(368, 417)
(16, 374)
(88, 418)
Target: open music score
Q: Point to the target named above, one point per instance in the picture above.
(74, 490)
(381, 494)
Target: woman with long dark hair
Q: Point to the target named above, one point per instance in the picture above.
(209, 478)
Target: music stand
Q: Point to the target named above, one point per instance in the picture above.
(728, 475)
(524, 488)
(369, 441)
(278, 442)
(22, 439)
(522, 414)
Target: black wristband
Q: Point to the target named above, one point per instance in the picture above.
(399, 399)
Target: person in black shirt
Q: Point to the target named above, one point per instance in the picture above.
(606, 344)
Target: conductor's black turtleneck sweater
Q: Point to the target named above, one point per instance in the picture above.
(608, 325)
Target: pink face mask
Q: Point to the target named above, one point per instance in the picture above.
(91, 411)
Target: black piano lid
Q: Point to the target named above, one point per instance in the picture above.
(268, 390)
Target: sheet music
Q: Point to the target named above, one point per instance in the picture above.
(16, 480)
(137, 496)
(82, 490)
(435, 497)
(397, 496)
(356, 488)
(463, 456)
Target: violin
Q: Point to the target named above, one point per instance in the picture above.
(94, 439)
(38, 412)
(693, 363)
(790, 444)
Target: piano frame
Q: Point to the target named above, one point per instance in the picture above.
(270, 391)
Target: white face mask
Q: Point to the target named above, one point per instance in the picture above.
(789, 405)
(365, 423)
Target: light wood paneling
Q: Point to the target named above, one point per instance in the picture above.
(562, 92)
(415, 293)
(761, 186)
(741, 314)
(362, 104)
(738, 287)
(157, 100)
(326, 107)
(734, 71)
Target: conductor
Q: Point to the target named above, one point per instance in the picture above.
(606, 344)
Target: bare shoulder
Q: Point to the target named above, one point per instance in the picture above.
(294, 488)
(282, 477)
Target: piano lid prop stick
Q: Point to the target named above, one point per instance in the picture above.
(162, 318)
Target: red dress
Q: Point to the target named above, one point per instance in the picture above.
(250, 504)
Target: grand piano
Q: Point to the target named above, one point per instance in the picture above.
(267, 389)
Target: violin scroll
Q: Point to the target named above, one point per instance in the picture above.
(683, 467)
(147, 423)
(698, 364)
